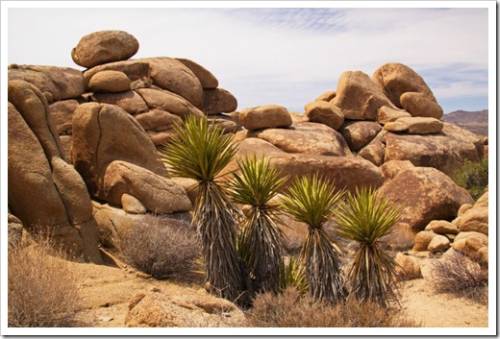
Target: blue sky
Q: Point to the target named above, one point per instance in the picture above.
(284, 56)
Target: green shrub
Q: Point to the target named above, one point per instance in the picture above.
(473, 176)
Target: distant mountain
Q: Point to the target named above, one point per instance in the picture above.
(476, 121)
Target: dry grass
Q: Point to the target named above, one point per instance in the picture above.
(162, 249)
(43, 291)
(459, 275)
(291, 310)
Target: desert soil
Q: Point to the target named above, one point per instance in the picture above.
(106, 292)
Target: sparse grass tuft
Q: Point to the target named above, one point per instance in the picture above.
(290, 309)
(162, 249)
(42, 290)
(461, 276)
(473, 176)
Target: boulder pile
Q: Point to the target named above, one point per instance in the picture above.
(81, 140)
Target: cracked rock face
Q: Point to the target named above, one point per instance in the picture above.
(45, 192)
(103, 133)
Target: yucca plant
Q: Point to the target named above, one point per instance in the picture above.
(200, 151)
(312, 200)
(292, 275)
(366, 217)
(259, 242)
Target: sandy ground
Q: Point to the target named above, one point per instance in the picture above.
(106, 292)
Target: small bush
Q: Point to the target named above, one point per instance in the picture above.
(43, 291)
(461, 276)
(290, 309)
(162, 249)
(473, 176)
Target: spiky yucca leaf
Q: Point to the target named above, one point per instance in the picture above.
(293, 275)
(312, 200)
(260, 239)
(366, 217)
(200, 151)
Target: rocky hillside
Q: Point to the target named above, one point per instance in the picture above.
(474, 121)
(84, 164)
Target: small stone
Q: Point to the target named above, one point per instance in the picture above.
(439, 243)
(442, 227)
(131, 204)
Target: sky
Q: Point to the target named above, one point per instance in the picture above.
(284, 56)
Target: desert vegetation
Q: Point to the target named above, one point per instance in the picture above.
(291, 309)
(200, 151)
(42, 290)
(259, 242)
(473, 176)
(162, 250)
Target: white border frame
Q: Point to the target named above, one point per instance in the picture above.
(492, 314)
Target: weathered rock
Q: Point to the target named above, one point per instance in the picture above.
(228, 125)
(358, 134)
(138, 72)
(441, 227)
(464, 208)
(387, 114)
(475, 219)
(61, 114)
(172, 75)
(104, 46)
(420, 105)
(109, 82)
(56, 83)
(358, 97)
(307, 137)
(218, 100)
(470, 243)
(324, 112)
(422, 240)
(408, 266)
(66, 142)
(393, 167)
(483, 255)
(131, 204)
(397, 79)
(445, 151)
(265, 116)
(207, 79)
(415, 125)
(373, 152)
(161, 138)
(158, 194)
(424, 194)
(158, 120)
(482, 201)
(130, 101)
(439, 243)
(347, 172)
(326, 96)
(168, 101)
(189, 185)
(199, 310)
(47, 201)
(104, 133)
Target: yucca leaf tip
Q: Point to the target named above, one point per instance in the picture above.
(198, 150)
(365, 216)
(311, 199)
(256, 183)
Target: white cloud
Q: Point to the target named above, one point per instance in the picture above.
(269, 56)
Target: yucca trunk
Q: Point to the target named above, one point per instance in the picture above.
(214, 218)
(322, 267)
(372, 275)
(260, 249)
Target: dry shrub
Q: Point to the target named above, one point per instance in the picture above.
(459, 275)
(161, 248)
(289, 309)
(43, 291)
